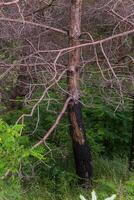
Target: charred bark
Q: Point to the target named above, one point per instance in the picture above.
(80, 147)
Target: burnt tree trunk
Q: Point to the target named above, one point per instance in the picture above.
(80, 147)
(131, 160)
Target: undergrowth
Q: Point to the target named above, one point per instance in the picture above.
(110, 177)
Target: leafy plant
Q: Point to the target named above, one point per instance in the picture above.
(15, 150)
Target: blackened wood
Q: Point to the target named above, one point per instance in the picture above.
(81, 149)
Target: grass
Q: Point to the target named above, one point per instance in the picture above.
(110, 177)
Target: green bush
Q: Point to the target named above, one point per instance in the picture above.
(14, 149)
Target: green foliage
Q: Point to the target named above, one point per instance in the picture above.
(130, 186)
(115, 169)
(108, 132)
(64, 187)
(10, 190)
(8, 50)
(14, 149)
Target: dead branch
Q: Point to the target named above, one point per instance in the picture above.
(54, 126)
(33, 24)
(9, 3)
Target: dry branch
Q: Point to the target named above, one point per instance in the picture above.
(33, 24)
(54, 126)
(9, 3)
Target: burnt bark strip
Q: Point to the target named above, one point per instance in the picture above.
(131, 160)
(80, 147)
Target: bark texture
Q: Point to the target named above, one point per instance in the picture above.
(80, 147)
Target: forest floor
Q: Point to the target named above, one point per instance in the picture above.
(110, 177)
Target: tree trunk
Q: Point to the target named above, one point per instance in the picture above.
(80, 147)
(131, 160)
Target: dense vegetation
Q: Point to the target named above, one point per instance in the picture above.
(66, 114)
(49, 173)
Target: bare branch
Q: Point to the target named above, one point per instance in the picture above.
(54, 126)
(9, 3)
(54, 81)
(125, 33)
(33, 24)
